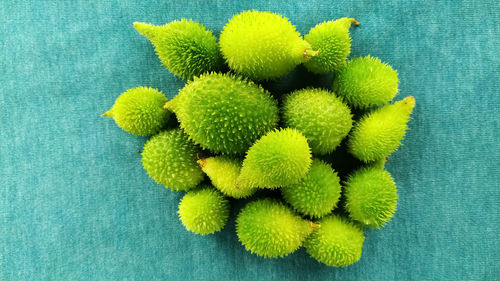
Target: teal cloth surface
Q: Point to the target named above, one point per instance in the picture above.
(76, 204)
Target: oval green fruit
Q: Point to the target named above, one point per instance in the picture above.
(170, 159)
(268, 228)
(280, 158)
(320, 116)
(203, 211)
(366, 82)
(338, 242)
(224, 113)
(332, 40)
(317, 194)
(140, 111)
(380, 132)
(223, 172)
(262, 45)
(185, 47)
(371, 196)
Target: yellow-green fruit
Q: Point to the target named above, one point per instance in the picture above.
(223, 172)
(379, 133)
(320, 116)
(366, 82)
(185, 47)
(170, 159)
(338, 242)
(224, 113)
(371, 196)
(204, 211)
(317, 194)
(140, 111)
(332, 40)
(268, 228)
(262, 45)
(280, 158)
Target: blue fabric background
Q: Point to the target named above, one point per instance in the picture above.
(76, 204)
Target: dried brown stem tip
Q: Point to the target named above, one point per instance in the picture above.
(314, 225)
(356, 23)
(201, 162)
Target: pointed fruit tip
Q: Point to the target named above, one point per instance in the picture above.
(168, 105)
(201, 162)
(107, 114)
(409, 101)
(144, 29)
(138, 25)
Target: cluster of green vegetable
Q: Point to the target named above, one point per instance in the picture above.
(248, 143)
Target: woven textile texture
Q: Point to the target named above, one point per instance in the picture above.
(76, 204)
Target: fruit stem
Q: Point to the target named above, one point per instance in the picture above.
(201, 162)
(314, 225)
(356, 23)
(168, 105)
(309, 53)
(380, 163)
(237, 184)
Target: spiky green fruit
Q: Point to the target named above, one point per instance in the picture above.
(379, 133)
(317, 194)
(338, 242)
(268, 228)
(262, 45)
(223, 172)
(224, 113)
(371, 196)
(332, 40)
(204, 211)
(280, 158)
(320, 116)
(185, 47)
(170, 159)
(140, 111)
(366, 82)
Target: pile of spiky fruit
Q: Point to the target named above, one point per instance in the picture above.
(234, 125)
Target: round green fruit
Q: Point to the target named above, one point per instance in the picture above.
(185, 47)
(338, 242)
(140, 111)
(371, 196)
(268, 228)
(280, 158)
(333, 42)
(262, 45)
(204, 211)
(224, 113)
(170, 159)
(320, 116)
(317, 194)
(366, 82)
